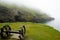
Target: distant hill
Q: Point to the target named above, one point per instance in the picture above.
(12, 13)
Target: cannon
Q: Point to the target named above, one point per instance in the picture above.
(6, 31)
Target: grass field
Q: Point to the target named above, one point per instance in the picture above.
(35, 31)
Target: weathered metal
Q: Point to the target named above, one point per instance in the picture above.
(6, 31)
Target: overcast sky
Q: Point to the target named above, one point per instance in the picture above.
(51, 7)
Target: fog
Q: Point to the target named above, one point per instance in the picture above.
(51, 7)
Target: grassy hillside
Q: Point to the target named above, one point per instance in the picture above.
(35, 31)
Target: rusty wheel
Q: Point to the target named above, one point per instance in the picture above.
(5, 31)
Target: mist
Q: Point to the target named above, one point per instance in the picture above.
(51, 7)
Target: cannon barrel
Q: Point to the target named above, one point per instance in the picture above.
(16, 32)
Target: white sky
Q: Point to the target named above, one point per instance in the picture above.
(51, 7)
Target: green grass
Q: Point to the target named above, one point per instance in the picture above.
(36, 31)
